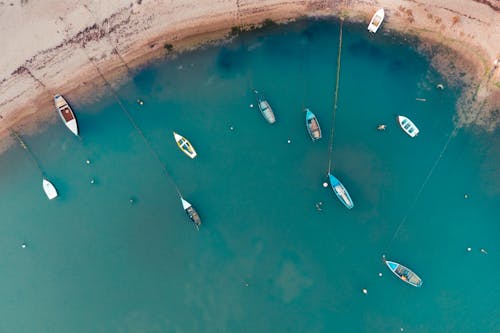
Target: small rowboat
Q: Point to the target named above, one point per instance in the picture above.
(49, 189)
(185, 145)
(312, 125)
(340, 191)
(66, 114)
(376, 21)
(408, 126)
(265, 108)
(404, 273)
(191, 212)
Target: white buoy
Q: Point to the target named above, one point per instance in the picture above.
(92, 181)
(466, 196)
(87, 161)
(289, 141)
(251, 105)
(23, 245)
(380, 274)
(325, 184)
(365, 291)
(231, 128)
(469, 249)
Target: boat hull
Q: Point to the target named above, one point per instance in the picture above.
(191, 213)
(376, 21)
(66, 114)
(185, 146)
(408, 126)
(49, 189)
(340, 191)
(312, 126)
(265, 108)
(404, 273)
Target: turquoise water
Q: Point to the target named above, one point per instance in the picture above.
(264, 260)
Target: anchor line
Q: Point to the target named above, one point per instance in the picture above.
(330, 148)
(431, 171)
(27, 149)
(137, 128)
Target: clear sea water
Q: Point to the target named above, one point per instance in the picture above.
(264, 260)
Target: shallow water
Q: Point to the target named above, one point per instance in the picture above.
(264, 260)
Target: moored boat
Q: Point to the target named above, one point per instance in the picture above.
(376, 20)
(66, 114)
(408, 126)
(185, 145)
(340, 191)
(312, 125)
(265, 108)
(191, 212)
(404, 273)
(49, 189)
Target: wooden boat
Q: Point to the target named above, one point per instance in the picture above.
(408, 126)
(66, 114)
(265, 108)
(49, 189)
(404, 273)
(191, 212)
(312, 125)
(185, 145)
(376, 21)
(340, 191)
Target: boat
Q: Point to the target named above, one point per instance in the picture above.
(408, 126)
(312, 125)
(191, 212)
(185, 145)
(376, 21)
(340, 191)
(404, 273)
(265, 108)
(66, 114)
(49, 189)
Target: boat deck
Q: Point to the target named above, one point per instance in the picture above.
(66, 113)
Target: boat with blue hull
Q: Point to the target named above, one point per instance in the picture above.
(340, 191)
(312, 125)
(404, 273)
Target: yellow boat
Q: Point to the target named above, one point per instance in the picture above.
(185, 145)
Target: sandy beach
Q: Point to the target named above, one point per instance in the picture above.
(54, 47)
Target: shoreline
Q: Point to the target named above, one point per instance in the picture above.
(118, 39)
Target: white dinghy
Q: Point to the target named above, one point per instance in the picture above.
(49, 189)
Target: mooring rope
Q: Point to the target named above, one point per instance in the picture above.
(330, 151)
(137, 128)
(424, 183)
(27, 149)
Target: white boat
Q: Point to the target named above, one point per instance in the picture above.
(265, 108)
(49, 189)
(408, 126)
(185, 145)
(66, 114)
(376, 21)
